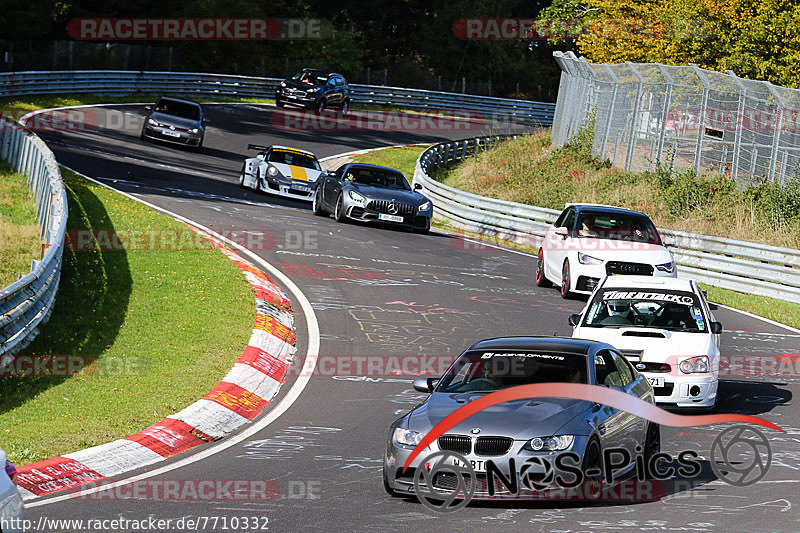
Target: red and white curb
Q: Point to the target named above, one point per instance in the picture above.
(240, 397)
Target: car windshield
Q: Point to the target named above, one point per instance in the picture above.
(621, 227)
(311, 77)
(294, 158)
(491, 371)
(661, 309)
(377, 178)
(178, 109)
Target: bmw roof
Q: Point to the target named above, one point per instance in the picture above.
(553, 344)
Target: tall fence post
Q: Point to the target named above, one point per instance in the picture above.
(776, 137)
(701, 125)
(737, 139)
(607, 129)
(662, 134)
(636, 105)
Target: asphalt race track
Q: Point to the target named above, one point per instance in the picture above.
(384, 292)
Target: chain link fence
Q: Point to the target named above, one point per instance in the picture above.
(683, 117)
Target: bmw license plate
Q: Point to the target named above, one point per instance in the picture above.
(169, 133)
(390, 218)
(478, 466)
(656, 382)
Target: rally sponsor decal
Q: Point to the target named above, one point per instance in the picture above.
(52, 475)
(661, 296)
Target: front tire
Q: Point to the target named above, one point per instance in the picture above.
(279, 104)
(345, 108)
(541, 279)
(652, 441)
(592, 460)
(566, 281)
(321, 106)
(316, 204)
(338, 214)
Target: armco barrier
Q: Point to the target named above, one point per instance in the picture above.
(124, 82)
(738, 265)
(28, 302)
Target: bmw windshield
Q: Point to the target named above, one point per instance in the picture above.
(491, 371)
(670, 310)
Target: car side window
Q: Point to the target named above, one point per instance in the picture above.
(625, 373)
(606, 370)
(569, 220)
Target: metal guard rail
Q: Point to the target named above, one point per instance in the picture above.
(125, 82)
(27, 303)
(726, 263)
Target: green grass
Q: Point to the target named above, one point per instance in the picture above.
(19, 233)
(160, 329)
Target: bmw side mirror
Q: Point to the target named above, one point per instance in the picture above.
(424, 384)
(574, 319)
(417, 186)
(716, 327)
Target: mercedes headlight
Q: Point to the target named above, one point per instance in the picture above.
(152, 122)
(586, 259)
(357, 198)
(272, 171)
(666, 267)
(550, 444)
(695, 365)
(407, 437)
(425, 206)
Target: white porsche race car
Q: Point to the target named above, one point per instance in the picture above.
(280, 170)
(665, 328)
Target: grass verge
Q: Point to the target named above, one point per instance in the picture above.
(527, 171)
(19, 232)
(159, 328)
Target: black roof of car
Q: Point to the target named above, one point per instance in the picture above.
(550, 344)
(309, 69)
(182, 100)
(368, 165)
(604, 209)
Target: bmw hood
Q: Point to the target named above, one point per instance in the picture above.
(297, 173)
(172, 120)
(378, 193)
(520, 419)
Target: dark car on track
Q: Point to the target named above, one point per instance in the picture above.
(522, 429)
(371, 193)
(314, 89)
(176, 121)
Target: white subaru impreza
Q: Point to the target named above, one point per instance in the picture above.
(666, 330)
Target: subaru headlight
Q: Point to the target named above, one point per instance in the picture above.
(357, 198)
(666, 267)
(407, 437)
(585, 259)
(695, 365)
(272, 171)
(152, 122)
(550, 444)
(425, 206)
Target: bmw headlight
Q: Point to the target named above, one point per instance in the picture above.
(586, 259)
(407, 437)
(152, 122)
(550, 444)
(695, 365)
(272, 171)
(666, 267)
(357, 198)
(425, 206)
